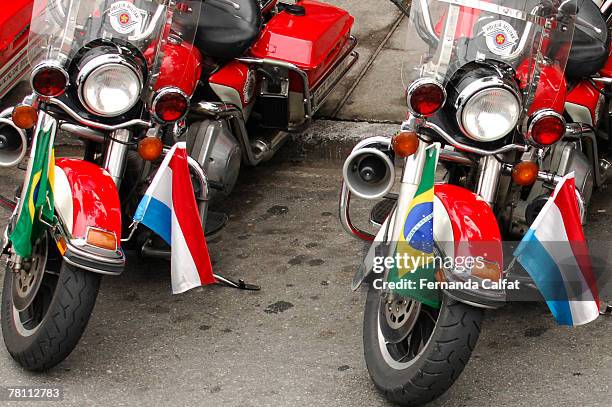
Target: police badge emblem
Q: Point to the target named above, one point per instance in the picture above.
(125, 17)
(500, 37)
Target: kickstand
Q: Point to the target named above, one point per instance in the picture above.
(605, 308)
(241, 285)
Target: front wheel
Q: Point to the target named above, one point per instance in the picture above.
(415, 353)
(46, 309)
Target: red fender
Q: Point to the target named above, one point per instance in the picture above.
(474, 226)
(93, 198)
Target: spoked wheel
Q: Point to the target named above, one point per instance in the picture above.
(45, 308)
(413, 352)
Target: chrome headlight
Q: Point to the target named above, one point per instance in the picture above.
(109, 85)
(489, 112)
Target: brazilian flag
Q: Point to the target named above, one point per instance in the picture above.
(37, 201)
(416, 242)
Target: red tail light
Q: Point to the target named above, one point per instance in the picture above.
(546, 128)
(49, 79)
(170, 105)
(425, 97)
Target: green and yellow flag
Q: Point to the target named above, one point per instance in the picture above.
(37, 201)
(414, 251)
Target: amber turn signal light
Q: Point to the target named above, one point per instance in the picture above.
(405, 143)
(525, 173)
(24, 116)
(62, 246)
(150, 148)
(487, 270)
(102, 239)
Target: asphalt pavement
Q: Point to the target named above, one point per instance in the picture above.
(298, 341)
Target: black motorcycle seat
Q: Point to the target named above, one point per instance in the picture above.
(590, 47)
(227, 28)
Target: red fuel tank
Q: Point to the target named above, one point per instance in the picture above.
(14, 23)
(14, 30)
(312, 41)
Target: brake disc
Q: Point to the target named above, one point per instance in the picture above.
(397, 317)
(26, 282)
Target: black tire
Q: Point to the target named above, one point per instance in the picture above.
(438, 364)
(70, 299)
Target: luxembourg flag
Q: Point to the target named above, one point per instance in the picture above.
(169, 209)
(555, 254)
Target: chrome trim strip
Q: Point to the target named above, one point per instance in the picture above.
(91, 269)
(117, 260)
(78, 251)
(96, 125)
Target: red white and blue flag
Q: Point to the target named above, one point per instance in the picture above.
(169, 209)
(555, 254)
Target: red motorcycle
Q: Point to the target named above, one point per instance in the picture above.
(14, 22)
(515, 95)
(132, 78)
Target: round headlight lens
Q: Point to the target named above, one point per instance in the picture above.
(490, 114)
(111, 89)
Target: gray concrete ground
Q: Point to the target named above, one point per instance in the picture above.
(298, 341)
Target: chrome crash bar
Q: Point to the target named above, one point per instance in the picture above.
(202, 179)
(312, 104)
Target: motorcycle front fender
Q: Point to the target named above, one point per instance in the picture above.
(464, 224)
(86, 200)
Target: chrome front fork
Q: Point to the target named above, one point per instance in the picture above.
(489, 173)
(115, 158)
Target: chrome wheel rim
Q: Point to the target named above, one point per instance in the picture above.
(26, 282)
(39, 294)
(404, 329)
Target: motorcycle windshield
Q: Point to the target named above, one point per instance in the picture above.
(62, 28)
(523, 37)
